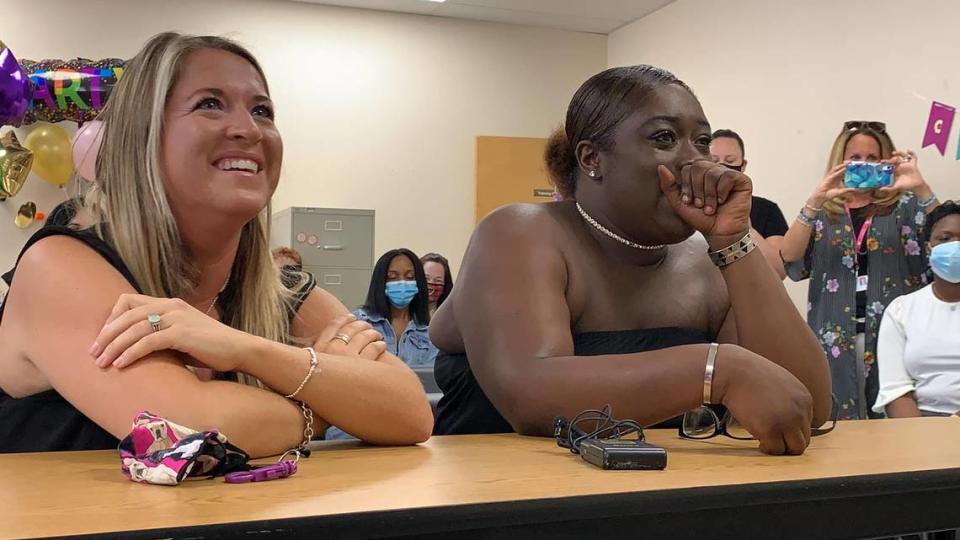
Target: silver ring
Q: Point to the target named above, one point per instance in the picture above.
(154, 320)
(345, 338)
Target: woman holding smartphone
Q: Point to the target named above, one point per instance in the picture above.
(860, 249)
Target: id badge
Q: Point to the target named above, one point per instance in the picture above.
(862, 283)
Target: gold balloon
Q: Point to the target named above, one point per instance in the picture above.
(15, 162)
(52, 153)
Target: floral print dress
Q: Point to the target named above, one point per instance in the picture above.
(896, 265)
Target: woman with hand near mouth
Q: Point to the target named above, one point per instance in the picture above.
(609, 296)
(166, 265)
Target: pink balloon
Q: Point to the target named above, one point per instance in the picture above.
(86, 146)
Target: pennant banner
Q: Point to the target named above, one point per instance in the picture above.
(938, 126)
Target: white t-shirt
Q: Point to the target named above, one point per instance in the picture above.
(918, 351)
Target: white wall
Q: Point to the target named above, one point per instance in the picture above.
(377, 110)
(787, 74)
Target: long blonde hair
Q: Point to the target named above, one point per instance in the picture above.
(129, 207)
(880, 199)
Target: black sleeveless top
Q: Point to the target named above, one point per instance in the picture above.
(46, 421)
(465, 408)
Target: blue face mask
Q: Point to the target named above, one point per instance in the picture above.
(401, 293)
(945, 261)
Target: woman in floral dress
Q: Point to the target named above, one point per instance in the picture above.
(860, 250)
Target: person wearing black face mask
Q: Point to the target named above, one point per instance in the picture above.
(766, 219)
(287, 259)
(726, 148)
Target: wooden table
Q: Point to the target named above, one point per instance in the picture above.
(867, 478)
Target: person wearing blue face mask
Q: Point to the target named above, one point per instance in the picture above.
(398, 306)
(918, 351)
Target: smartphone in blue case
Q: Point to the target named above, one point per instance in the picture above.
(866, 175)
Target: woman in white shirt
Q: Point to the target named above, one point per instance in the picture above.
(918, 350)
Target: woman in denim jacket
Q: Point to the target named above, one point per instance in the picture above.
(397, 306)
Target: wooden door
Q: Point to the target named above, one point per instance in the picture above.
(510, 170)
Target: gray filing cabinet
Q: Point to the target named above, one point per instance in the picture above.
(336, 245)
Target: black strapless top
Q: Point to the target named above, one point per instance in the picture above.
(465, 408)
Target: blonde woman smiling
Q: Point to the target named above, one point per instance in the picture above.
(166, 264)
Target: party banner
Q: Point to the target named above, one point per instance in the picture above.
(938, 126)
(74, 90)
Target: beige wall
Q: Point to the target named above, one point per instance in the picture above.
(380, 110)
(787, 74)
(377, 110)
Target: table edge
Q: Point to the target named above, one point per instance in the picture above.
(734, 499)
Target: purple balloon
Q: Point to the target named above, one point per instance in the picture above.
(15, 89)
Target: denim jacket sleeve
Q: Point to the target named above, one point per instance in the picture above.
(416, 349)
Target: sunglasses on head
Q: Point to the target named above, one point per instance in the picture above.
(855, 125)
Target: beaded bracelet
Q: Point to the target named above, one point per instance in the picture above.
(313, 370)
(928, 202)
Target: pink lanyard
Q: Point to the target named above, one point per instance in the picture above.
(864, 229)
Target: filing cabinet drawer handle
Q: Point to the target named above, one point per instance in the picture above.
(333, 248)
